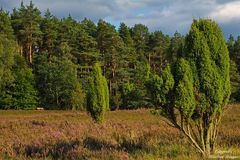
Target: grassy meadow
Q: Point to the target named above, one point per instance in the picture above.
(127, 134)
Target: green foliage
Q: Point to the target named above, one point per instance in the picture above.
(160, 86)
(184, 91)
(97, 96)
(231, 44)
(175, 48)
(158, 45)
(138, 98)
(111, 48)
(208, 55)
(56, 81)
(234, 51)
(199, 88)
(20, 94)
(140, 36)
(124, 33)
(78, 100)
(23, 91)
(49, 26)
(132, 97)
(87, 53)
(26, 25)
(16, 78)
(7, 49)
(235, 82)
(5, 25)
(90, 27)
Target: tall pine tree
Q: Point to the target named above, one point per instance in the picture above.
(26, 21)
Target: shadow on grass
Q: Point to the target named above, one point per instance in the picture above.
(122, 143)
(59, 150)
(95, 144)
(136, 146)
(90, 146)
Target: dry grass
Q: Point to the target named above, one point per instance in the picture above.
(125, 135)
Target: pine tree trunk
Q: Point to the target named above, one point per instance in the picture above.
(57, 99)
(21, 50)
(149, 58)
(30, 54)
(110, 87)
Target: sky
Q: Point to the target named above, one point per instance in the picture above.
(168, 16)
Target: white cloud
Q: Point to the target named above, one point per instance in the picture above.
(226, 13)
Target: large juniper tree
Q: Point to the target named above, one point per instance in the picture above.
(194, 94)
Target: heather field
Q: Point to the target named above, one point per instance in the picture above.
(127, 134)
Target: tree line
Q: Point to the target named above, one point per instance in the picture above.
(46, 61)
